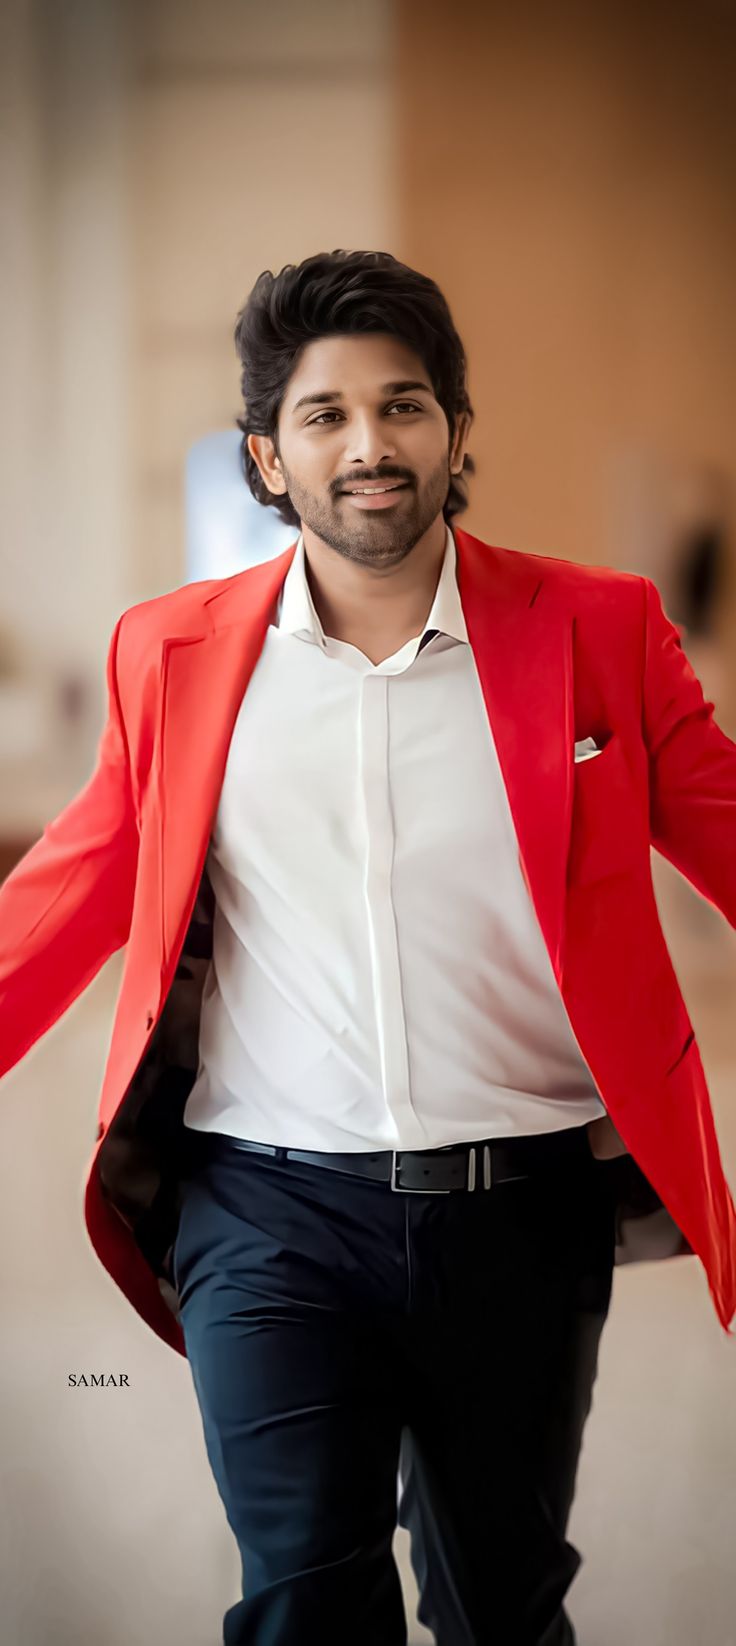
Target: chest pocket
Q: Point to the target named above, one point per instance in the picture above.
(609, 834)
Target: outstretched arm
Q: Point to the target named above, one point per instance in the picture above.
(67, 906)
(692, 766)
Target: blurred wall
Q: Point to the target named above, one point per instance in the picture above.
(567, 173)
(66, 328)
(65, 344)
(261, 135)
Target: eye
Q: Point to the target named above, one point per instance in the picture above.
(314, 420)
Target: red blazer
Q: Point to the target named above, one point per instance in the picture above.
(563, 652)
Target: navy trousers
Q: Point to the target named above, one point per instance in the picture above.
(333, 1329)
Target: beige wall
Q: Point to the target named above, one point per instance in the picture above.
(66, 338)
(567, 173)
(65, 479)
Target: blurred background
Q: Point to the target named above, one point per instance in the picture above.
(567, 173)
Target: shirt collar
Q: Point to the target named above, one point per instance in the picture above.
(296, 613)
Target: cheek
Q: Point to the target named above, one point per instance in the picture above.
(298, 478)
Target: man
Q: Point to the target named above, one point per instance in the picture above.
(400, 1067)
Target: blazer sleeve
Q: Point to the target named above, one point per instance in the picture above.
(67, 906)
(692, 766)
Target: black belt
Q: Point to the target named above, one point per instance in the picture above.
(466, 1166)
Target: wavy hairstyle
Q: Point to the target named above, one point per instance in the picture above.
(336, 294)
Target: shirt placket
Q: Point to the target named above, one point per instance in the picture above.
(375, 792)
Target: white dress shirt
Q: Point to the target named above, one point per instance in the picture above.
(379, 977)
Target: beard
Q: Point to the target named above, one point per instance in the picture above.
(372, 537)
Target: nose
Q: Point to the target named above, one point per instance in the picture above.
(369, 444)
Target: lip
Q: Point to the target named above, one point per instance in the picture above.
(379, 500)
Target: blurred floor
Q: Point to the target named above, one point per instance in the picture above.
(114, 1534)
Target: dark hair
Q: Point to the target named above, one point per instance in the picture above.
(336, 294)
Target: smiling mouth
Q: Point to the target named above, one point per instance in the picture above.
(374, 490)
(380, 501)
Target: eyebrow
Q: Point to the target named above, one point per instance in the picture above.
(324, 396)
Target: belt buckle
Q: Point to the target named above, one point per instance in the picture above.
(398, 1188)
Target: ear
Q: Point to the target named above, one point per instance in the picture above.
(459, 442)
(263, 452)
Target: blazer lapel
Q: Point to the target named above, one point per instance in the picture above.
(204, 677)
(521, 638)
(522, 644)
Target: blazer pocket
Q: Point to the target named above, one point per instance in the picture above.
(608, 835)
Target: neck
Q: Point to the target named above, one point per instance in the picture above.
(352, 598)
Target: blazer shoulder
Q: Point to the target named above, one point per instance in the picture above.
(593, 590)
(178, 612)
(574, 577)
(143, 628)
(587, 576)
(164, 613)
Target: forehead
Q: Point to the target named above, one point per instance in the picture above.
(354, 366)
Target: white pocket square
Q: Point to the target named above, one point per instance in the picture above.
(586, 748)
